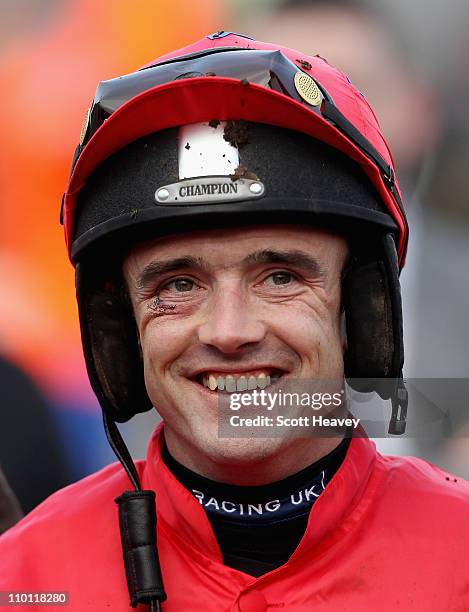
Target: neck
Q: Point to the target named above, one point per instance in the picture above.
(251, 469)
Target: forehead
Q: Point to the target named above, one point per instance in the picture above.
(229, 246)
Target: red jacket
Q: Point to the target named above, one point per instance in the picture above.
(388, 533)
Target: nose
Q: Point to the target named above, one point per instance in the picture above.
(232, 323)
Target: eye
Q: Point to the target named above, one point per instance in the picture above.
(180, 285)
(282, 278)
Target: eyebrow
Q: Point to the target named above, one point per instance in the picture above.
(158, 268)
(298, 259)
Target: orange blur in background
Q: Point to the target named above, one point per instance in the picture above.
(47, 80)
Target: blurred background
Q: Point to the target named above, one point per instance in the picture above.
(409, 59)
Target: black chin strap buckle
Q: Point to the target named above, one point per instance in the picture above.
(137, 521)
(399, 402)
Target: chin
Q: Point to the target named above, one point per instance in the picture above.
(239, 451)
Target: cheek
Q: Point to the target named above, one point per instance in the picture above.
(162, 343)
(312, 329)
(312, 318)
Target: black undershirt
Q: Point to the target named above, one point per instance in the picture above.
(259, 527)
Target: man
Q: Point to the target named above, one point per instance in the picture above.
(227, 205)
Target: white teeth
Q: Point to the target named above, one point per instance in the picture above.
(230, 384)
(242, 383)
(212, 382)
(252, 383)
(262, 381)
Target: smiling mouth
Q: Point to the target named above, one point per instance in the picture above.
(239, 381)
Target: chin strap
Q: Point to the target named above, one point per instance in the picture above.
(399, 401)
(137, 523)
